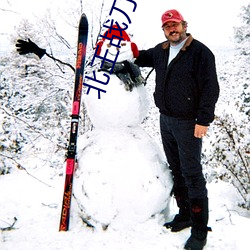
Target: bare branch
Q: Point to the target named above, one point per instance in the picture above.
(1, 9)
(19, 166)
(57, 60)
(10, 227)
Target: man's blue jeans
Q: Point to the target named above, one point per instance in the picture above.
(183, 152)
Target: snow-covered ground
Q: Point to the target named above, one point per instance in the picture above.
(32, 201)
(31, 198)
(37, 208)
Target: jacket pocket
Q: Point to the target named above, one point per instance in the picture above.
(159, 101)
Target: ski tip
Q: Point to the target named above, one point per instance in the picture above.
(83, 20)
(84, 17)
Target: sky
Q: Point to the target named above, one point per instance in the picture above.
(210, 22)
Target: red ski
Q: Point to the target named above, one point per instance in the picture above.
(71, 153)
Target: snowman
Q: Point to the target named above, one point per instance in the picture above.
(122, 178)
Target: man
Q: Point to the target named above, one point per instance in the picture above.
(186, 93)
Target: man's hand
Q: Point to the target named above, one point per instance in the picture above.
(24, 47)
(200, 131)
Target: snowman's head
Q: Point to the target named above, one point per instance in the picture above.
(115, 40)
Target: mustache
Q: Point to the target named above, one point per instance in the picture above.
(173, 32)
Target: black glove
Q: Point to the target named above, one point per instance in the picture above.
(128, 72)
(135, 73)
(24, 47)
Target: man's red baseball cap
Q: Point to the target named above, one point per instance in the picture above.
(171, 16)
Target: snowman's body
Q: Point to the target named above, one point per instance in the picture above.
(122, 177)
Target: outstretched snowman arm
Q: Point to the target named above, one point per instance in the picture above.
(25, 47)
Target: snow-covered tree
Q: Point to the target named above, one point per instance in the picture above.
(35, 103)
(36, 95)
(230, 155)
(242, 33)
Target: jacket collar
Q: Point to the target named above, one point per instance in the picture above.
(166, 44)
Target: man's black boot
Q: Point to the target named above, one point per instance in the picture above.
(197, 240)
(182, 220)
(199, 215)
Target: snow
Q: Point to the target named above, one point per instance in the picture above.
(34, 198)
(37, 208)
(117, 107)
(121, 180)
(122, 177)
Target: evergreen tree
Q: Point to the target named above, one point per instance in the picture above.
(242, 33)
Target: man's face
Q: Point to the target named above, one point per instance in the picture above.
(174, 32)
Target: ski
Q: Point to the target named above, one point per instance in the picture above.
(71, 160)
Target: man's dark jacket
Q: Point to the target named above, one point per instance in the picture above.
(187, 88)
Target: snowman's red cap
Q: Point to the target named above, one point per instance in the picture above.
(115, 33)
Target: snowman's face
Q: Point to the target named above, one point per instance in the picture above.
(125, 51)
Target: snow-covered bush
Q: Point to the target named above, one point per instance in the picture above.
(231, 153)
(36, 95)
(230, 139)
(242, 33)
(35, 103)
